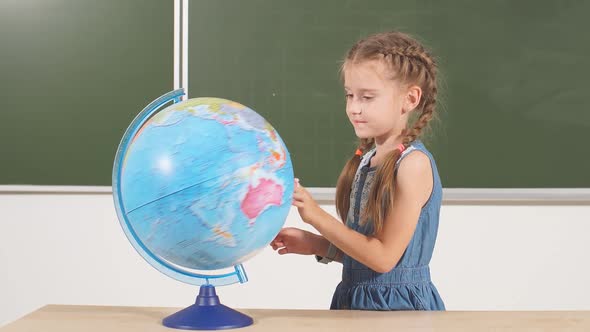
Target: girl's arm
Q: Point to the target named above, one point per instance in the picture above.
(292, 240)
(382, 252)
(322, 250)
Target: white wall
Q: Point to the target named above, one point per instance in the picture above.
(69, 249)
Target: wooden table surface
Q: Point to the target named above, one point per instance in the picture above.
(65, 318)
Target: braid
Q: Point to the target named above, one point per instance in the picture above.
(423, 69)
(413, 52)
(427, 105)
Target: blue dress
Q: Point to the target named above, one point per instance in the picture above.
(408, 286)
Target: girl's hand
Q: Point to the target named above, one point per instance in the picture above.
(295, 241)
(308, 208)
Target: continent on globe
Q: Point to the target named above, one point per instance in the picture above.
(261, 197)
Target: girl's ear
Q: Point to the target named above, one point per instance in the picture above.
(412, 98)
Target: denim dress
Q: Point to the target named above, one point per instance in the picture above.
(407, 286)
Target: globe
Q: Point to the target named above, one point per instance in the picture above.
(199, 185)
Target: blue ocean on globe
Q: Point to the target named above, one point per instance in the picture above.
(205, 184)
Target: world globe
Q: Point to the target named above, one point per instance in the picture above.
(199, 185)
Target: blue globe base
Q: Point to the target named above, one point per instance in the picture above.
(207, 314)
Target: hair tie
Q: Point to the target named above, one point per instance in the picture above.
(401, 148)
(358, 152)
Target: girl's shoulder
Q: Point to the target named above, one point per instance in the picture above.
(417, 145)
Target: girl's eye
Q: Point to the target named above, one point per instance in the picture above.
(348, 96)
(367, 97)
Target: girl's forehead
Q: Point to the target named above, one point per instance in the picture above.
(370, 74)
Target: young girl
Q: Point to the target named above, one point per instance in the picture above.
(389, 193)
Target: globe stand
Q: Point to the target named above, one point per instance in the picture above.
(207, 314)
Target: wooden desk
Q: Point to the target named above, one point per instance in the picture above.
(60, 318)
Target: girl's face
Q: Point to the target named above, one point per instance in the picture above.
(375, 104)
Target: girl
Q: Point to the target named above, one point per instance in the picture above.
(389, 193)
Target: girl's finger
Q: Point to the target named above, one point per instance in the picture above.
(298, 204)
(283, 251)
(298, 196)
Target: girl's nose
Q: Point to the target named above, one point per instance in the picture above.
(354, 108)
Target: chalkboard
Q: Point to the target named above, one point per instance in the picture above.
(514, 110)
(73, 74)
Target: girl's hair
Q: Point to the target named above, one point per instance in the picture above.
(409, 64)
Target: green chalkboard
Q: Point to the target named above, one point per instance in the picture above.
(73, 74)
(514, 107)
(514, 111)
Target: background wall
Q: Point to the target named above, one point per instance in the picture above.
(70, 249)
